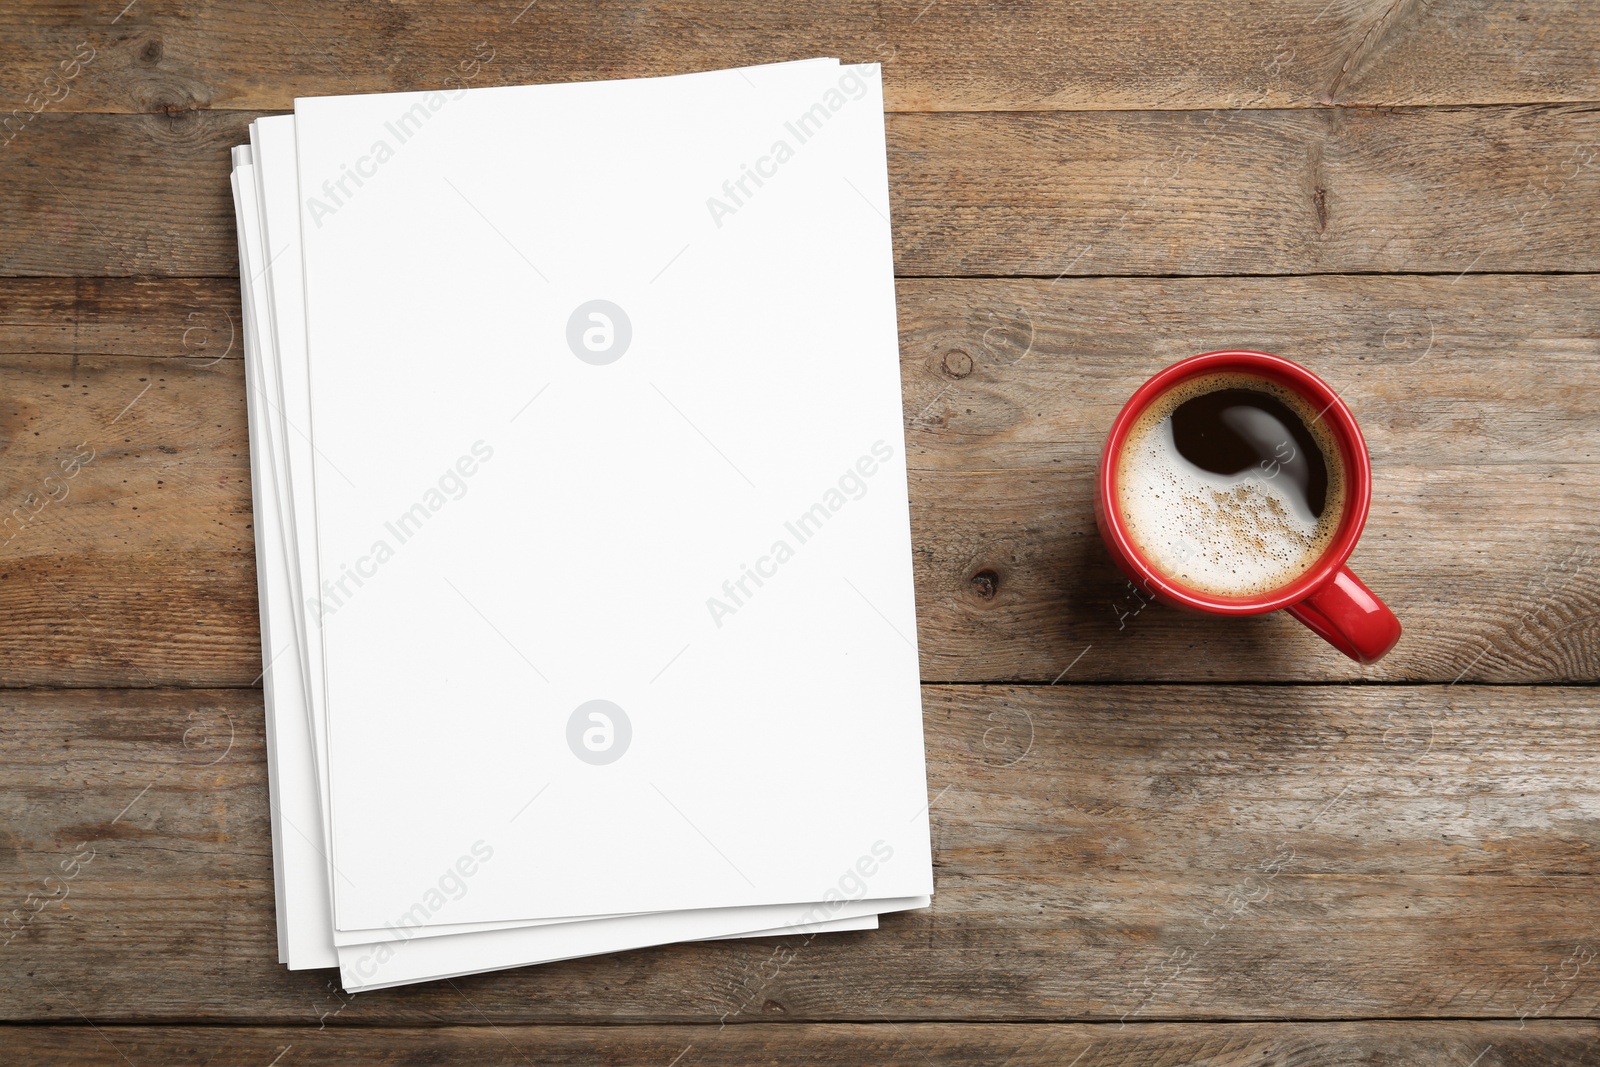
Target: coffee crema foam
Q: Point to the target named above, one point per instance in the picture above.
(1239, 535)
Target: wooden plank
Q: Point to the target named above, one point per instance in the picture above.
(1476, 398)
(103, 194)
(1496, 1044)
(1246, 192)
(121, 443)
(1193, 193)
(1101, 853)
(938, 56)
(1010, 387)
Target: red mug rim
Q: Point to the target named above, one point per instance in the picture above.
(1352, 447)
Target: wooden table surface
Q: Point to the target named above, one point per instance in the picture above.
(1158, 838)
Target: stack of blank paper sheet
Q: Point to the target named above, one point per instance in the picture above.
(581, 519)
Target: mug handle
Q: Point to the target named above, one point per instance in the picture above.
(1348, 616)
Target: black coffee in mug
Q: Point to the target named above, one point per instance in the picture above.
(1231, 484)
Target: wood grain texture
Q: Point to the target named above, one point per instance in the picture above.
(1190, 193)
(1481, 446)
(1361, 1044)
(1101, 853)
(1475, 396)
(1247, 192)
(938, 56)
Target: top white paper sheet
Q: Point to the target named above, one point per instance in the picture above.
(691, 507)
(301, 884)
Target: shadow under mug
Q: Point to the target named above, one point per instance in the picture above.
(1328, 598)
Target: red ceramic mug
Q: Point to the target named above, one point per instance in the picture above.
(1327, 597)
